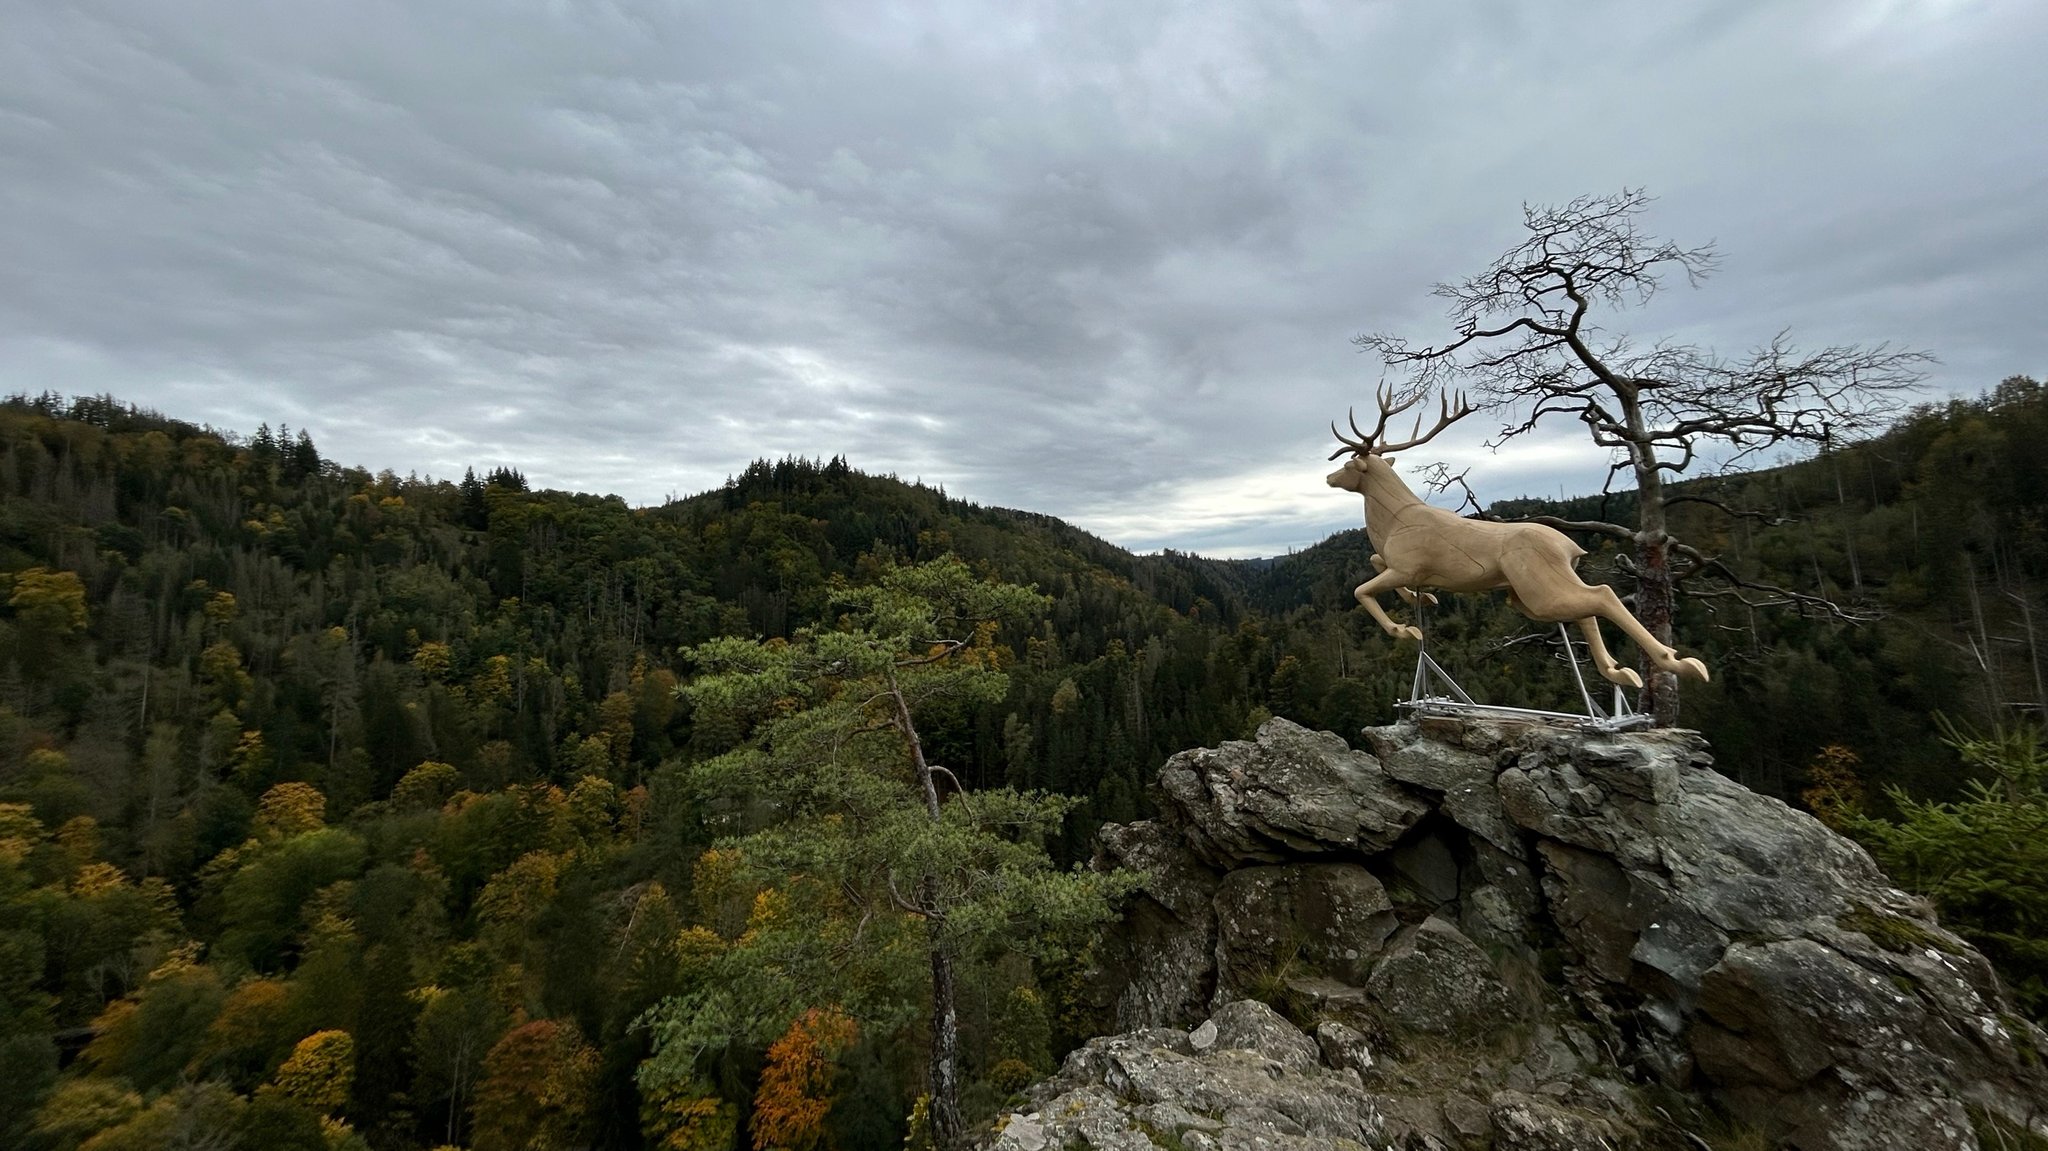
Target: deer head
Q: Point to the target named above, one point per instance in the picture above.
(1372, 451)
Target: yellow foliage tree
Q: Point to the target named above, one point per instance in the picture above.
(290, 809)
(426, 787)
(319, 1073)
(221, 608)
(434, 659)
(249, 762)
(517, 895)
(51, 601)
(688, 1117)
(221, 665)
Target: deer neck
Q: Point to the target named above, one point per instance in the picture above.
(1388, 501)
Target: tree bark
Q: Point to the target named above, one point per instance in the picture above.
(948, 1129)
(943, 1066)
(1659, 698)
(1654, 593)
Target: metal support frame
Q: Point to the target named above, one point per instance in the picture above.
(1421, 701)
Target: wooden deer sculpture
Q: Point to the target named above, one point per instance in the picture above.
(1417, 547)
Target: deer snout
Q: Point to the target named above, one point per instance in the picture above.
(1346, 477)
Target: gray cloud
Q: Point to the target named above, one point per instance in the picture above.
(1102, 261)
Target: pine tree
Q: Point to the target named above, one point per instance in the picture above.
(868, 852)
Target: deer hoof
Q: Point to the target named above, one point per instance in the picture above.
(1406, 631)
(1427, 597)
(1693, 668)
(1626, 677)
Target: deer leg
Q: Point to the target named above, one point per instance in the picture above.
(1661, 654)
(1366, 594)
(1409, 594)
(1583, 602)
(1603, 662)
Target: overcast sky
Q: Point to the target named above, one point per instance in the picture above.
(1099, 260)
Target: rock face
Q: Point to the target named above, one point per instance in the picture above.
(1246, 1079)
(1487, 934)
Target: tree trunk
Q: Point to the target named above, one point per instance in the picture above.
(1654, 593)
(948, 1129)
(1659, 697)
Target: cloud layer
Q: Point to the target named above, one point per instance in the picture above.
(1101, 261)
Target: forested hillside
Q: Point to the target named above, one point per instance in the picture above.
(338, 806)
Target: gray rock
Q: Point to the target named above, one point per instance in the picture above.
(1022, 1133)
(1291, 793)
(1343, 1048)
(1606, 908)
(1469, 1118)
(1527, 1123)
(1160, 969)
(1600, 908)
(1315, 997)
(1175, 879)
(1436, 981)
(1249, 1025)
(1298, 919)
(1260, 1087)
(1500, 897)
(1462, 780)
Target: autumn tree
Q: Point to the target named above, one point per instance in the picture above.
(49, 609)
(795, 1094)
(1525, 343)
(536, 1089)
(319, 1073)
(861, 850)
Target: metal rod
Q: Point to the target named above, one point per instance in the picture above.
(1578, 677)
(1440, 706)
(1448, 682)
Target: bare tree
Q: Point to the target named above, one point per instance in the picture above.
(1525, 346)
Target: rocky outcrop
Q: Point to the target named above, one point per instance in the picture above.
(1488, 934)
(1245, 1079)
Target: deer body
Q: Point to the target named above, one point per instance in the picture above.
(1417, 547)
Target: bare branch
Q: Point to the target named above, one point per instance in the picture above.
(1765, 518)
(1439, 478)
(959, 789)
(1593, 527)
(903, 904)
(1773, 595)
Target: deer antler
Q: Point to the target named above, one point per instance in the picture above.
(1447, 414)
(1365, 444)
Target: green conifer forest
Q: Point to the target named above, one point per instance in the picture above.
(342, 809)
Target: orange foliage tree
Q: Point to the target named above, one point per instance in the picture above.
(795, 1094)
(537, 1087)
(1833, 792)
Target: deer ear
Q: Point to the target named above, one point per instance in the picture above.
(1388, 459)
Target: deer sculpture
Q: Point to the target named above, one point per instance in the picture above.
(1417, 547)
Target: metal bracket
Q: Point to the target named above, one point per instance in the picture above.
(1422, 701)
